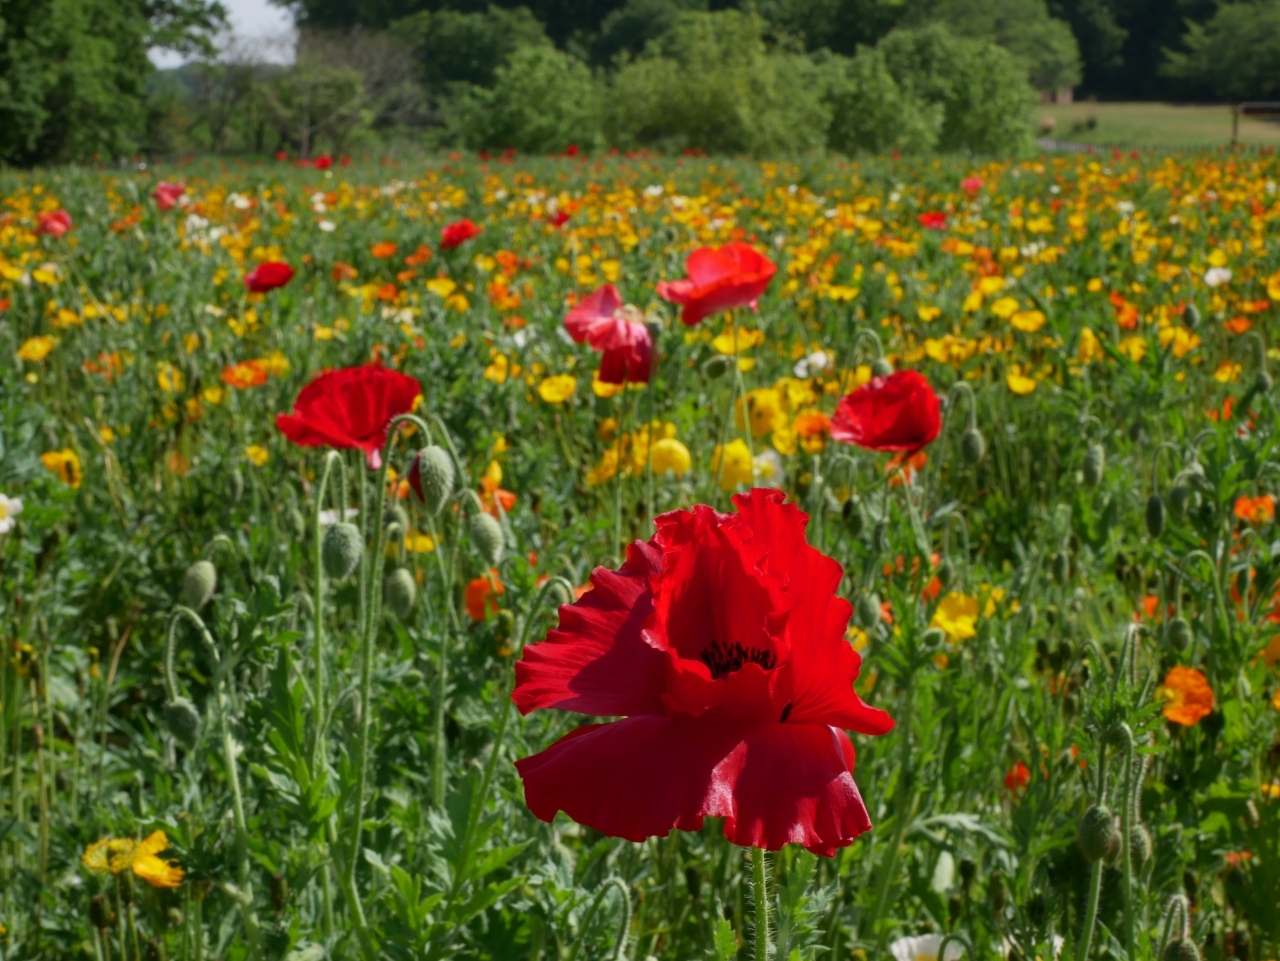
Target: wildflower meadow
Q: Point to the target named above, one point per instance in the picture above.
(627, 557)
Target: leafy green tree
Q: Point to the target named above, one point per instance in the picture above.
(1236, 54)
(872, 113)
(454, 47)
(710, 83)
(1024, 27)
(542, 100)
(74, 73)
(630, 27)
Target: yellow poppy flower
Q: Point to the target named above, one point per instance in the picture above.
(65, 463)
(1027, 321)
(257, 454)
(36, 348)
(557, 388)
(1018, 382)
(668, 454)
(116, 855)
(737, 464)
(957, 616)
(1004, 308)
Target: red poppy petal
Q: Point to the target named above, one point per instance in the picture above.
(640, 777)
(823, 664)
(597, 662)
(596, 308)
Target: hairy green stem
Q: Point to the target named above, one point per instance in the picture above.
(760, 895)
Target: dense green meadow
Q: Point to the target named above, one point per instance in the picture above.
(1066, 602)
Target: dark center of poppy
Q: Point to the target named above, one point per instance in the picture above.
(723, 659)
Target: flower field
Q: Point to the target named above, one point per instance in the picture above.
(913, 522)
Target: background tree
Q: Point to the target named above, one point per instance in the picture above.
(1236, 54)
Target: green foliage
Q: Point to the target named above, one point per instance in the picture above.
(980, 87)
(1236, 54)
(542, 101)
(710, 83)
(872, 113)
(453, 47)
(1023, 27)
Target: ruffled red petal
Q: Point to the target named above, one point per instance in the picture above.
(774, 784)
(897, 412)
(597, 662)
(350, 408)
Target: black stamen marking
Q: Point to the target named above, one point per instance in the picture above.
(786, 713)
(724, 659)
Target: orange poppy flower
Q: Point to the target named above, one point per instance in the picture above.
(1238, 325)
(1187, 696)
(244, 375)
(384, 250)
(419, 256)
(812, 424)
(482, 598)
(1018, 777)
(1256, 510)
(343, 271)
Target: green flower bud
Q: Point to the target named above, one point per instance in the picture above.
(880, 536)
(972, 445)
(183, 720)
(400, 591)
(298, 524)
(1179, 498)
(173, 917)
(868, 610)
(1061, 567)
(341, 550)
(1192, 316)
(853, 516)
(1097, 835)
(486, 535)
(1095, 464)
(1155, 515)
(125, 880)
(715, 367)
(1139, 846)
(1181, 949)
(996, 892)
(198, 584)
(881, 367)
(100, 914)
(279, 891)
(1263, 383)
(946, 573)
(933, 638)
(432, 477)
(236, 485)
(1179, 634)
(397, 515)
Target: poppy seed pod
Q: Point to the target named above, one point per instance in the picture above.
(868, 610)
(881, 367)
(972, 445)
(1096, 835)
(1155, 515)
(1061, 567)
(1179, 634)
(486, 535)
(198, 584)
(183, 720)
(341, 550)
(1095, 464)
(715, 367)
(1181, 949)
(1139, 846)
(100, 914)
(432, 477)
(400, 591)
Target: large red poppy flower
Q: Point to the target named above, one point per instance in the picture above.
(350, 408)
(625, 344)
(268, 276)
(734, 275)
(898, 412)
(55, 223)
(721, 643)
(457, 233)
(166, 194)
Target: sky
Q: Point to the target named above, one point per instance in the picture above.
(254, 21)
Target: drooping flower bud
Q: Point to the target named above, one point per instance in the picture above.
(1179, 498)
(1262, 384)
(198, 584)
(1139, 846)
(972, 445)
(868, 610)
(1095, 464)
(946, 573)
(1192, 316)
(432, 477)
(1179, 634)
(236, 485)
(183, 720)
(279, 891)
(881, 367)
(398, 516)
(100, 914)
(341, 550)
(400, 591)
(486, 535)
(1061, 567)
(715, 367)
(854, 519)
(932, 638)
(1181, 949)
(1155, 515)
(1096, 835)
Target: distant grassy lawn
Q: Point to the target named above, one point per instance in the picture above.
(1153, 125)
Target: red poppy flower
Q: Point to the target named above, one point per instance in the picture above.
(898, 412)
(625, 344)
(933, 220)
(457, 233)
(721, 643)
(1017, 778)
(55, 224)
(559, 219)
(971, 184)
(281, 155)
(166, 194)
(734, 275)
(268, 276)
(350, 408)
(323, 162)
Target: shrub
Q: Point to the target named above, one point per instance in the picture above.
(872, 113)
(542, 101)
(709, 83)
